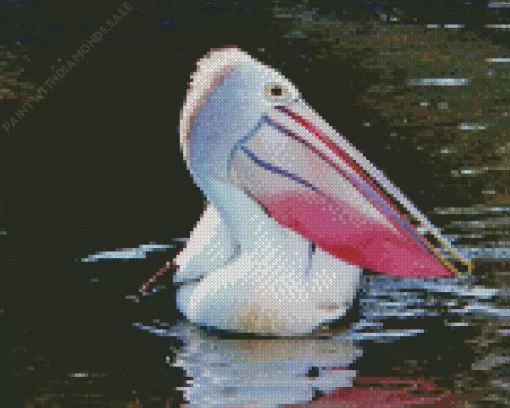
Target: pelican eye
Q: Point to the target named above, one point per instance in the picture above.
(275, 91)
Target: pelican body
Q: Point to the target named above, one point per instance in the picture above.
(294, 212)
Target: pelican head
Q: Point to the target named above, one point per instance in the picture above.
(229, 93)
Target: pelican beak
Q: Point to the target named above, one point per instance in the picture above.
(310, 179)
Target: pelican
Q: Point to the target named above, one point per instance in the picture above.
(294, 212)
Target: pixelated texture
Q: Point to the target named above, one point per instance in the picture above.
(281, 181)
(13, 85)
(314, 281)
(451, 111)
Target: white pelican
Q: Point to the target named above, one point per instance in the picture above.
(294, 211)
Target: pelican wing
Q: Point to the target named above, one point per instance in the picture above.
(208, 248)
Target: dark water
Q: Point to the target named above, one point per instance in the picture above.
(87, 173)
(407, 342)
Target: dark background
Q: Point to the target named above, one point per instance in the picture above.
(97, 166)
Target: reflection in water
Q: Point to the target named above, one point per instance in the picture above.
(261, 372)
(307, 371)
